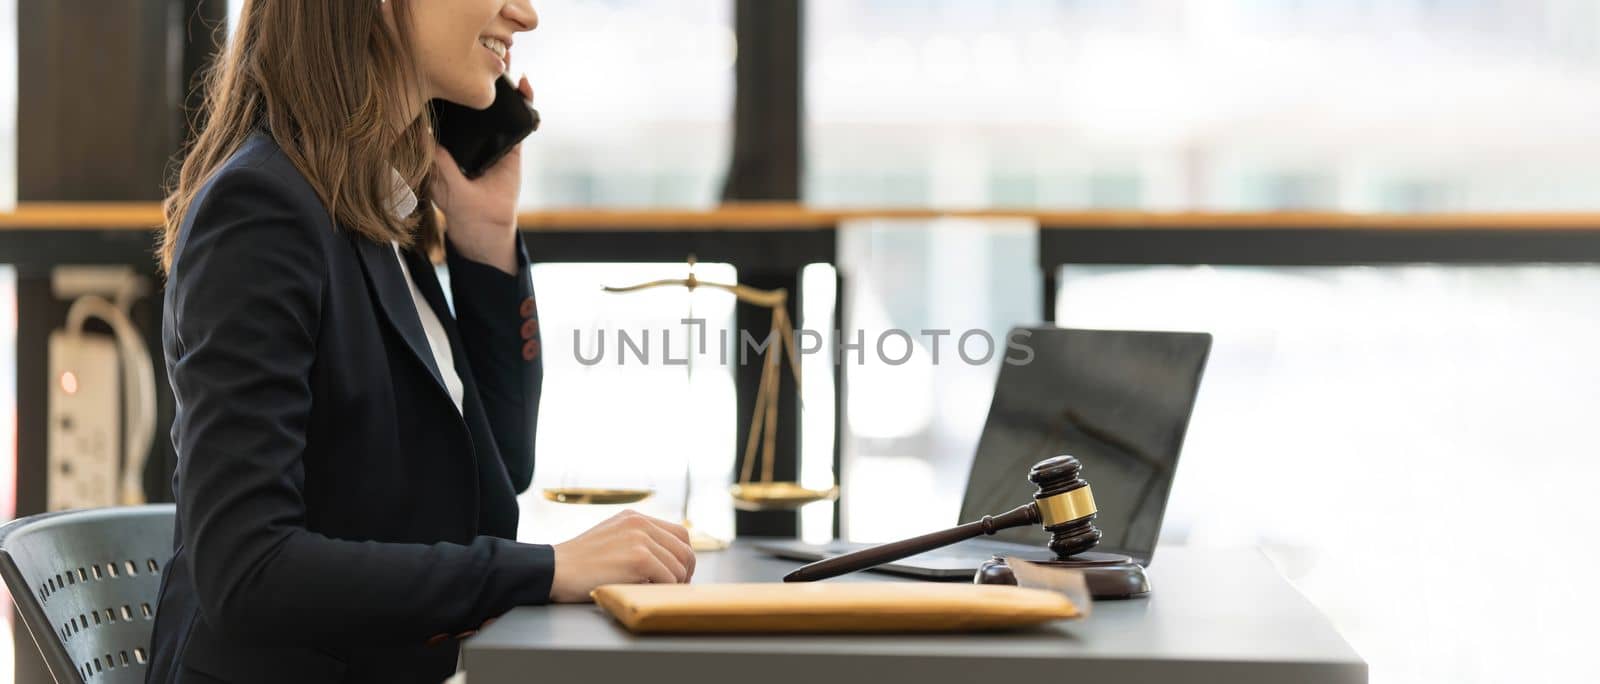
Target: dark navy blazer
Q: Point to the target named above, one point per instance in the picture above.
(338, 519)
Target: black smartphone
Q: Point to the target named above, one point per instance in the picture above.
(478, 138)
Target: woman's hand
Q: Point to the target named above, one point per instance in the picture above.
(628, 548)
(481, 213)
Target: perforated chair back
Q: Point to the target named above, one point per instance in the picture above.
(85, 583)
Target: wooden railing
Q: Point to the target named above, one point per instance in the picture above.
(785, 216)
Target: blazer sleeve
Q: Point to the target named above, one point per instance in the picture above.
(247, 288)
(499, 323)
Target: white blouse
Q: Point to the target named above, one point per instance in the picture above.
(405, 202)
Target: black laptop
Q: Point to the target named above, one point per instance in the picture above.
(1119, 401)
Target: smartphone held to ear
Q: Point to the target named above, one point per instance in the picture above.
(478, 138)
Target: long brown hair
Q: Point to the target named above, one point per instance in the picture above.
(329, 81)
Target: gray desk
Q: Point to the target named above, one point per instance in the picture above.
(1215, 616)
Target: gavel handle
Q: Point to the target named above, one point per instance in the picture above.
(1027, 514)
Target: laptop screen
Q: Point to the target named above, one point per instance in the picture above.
(1118, 401)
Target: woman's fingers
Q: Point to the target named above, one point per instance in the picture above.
(686, 550)
(526, 88)
(677, 531)
(675, 539)
(671, 539)
(445, 167)
(626, 548)
(668, 560)
(655, 570)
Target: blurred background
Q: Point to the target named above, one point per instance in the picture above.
(1379, 209)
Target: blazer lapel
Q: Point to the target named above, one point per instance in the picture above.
(422, 271)
(394, 298)
(491, 516)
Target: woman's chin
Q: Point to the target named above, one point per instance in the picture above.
(479, 99)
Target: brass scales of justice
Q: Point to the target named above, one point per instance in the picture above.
(765, 494)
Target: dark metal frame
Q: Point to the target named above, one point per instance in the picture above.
(1062, 246)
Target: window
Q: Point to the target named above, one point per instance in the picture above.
(1395, 106)
(636, 98)
(913, 406)
(8, 104)
(1365, 416)
(610, 420)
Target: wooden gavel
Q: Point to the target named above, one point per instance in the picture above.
(1063, 504)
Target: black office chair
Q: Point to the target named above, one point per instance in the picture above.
(85, 583)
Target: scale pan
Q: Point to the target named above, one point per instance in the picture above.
(777, 496)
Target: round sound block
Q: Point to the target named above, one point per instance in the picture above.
(1109, 576)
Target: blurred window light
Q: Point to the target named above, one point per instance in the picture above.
(1418, 390)
(818, 305)
(8, 104)
(1393, 106)
(636, 98)
(913, 425)
(607, 419)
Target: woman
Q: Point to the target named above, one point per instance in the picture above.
(348, 451)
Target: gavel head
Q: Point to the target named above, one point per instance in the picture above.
(1066, 506)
